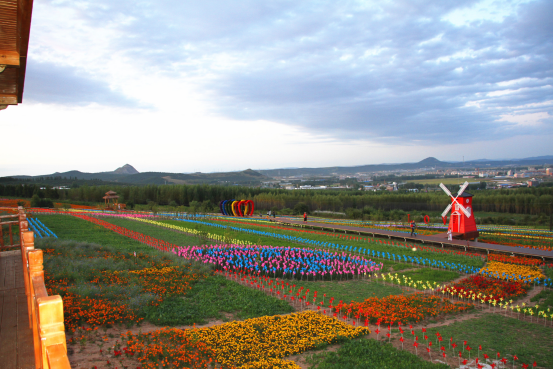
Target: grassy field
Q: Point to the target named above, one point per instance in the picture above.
(364, 353)
(376, 246)
(105, 273)
(166, 290)
(508, 336)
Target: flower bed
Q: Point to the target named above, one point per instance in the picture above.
(512, 272)
(486, 289)
(282, 261)
(515, 260)
(253, 343)
(157, 281)
(401, 308)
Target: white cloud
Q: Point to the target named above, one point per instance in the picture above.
(302, 83)
(526, 120)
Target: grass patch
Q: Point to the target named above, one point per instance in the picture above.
(348, 291)
(544, 299)
(212, 296)
(68, 227)
(365, 353)
(508, 336)
(431, 275)
(164, 234)
(161, 288)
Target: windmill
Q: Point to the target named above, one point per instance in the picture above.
(461, 221)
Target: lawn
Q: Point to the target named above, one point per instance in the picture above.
(495, 333)
(161, 288)
(365, 353)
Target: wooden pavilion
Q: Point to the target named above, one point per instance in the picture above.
(15, 27)
(111, 195)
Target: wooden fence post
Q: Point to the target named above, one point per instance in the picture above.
(52, 330)
(35, 271)
(27, 244)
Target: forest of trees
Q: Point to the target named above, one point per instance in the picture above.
(531, 200)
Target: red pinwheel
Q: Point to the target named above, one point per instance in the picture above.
(401, 339)
(465, 362)
(486, 356)
(424, 330)
(504, 361)
(428, 349)
(492, 365)
(534, 365)
(525, 366)
(443, 355)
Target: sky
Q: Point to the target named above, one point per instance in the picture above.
(210, 86)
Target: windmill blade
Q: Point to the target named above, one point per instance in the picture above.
(465, 211)
(446, 210)
(463, 187)
(446, 190)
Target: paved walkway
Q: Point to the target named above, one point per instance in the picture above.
(16, 338)
(458, 244)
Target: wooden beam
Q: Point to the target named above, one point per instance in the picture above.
(9, 58)
(8, 99)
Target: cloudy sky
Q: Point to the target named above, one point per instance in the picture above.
(182, 86)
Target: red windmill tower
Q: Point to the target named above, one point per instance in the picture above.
(461, 222)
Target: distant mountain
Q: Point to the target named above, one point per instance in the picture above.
(430, 162)
(127, 174)
(126, 169)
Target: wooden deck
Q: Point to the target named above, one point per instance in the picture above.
(437, 239)
(16, 338)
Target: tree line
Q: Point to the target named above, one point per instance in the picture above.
(531, 200)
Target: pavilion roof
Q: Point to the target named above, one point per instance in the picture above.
(15, 27)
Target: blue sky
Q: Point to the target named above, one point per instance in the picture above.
(206, 86)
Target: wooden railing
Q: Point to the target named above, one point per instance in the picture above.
(7, 223)
(45, 312)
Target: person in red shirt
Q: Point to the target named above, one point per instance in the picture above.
(305, 217)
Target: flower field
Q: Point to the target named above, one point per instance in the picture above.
(286, 262)
(513, 272)
(400, 308)
(264, 305)
(259, 342)
(515, 260)
(485, 289)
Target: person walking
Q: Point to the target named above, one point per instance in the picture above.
(305, 217)
(449, 235)
(413, 226)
